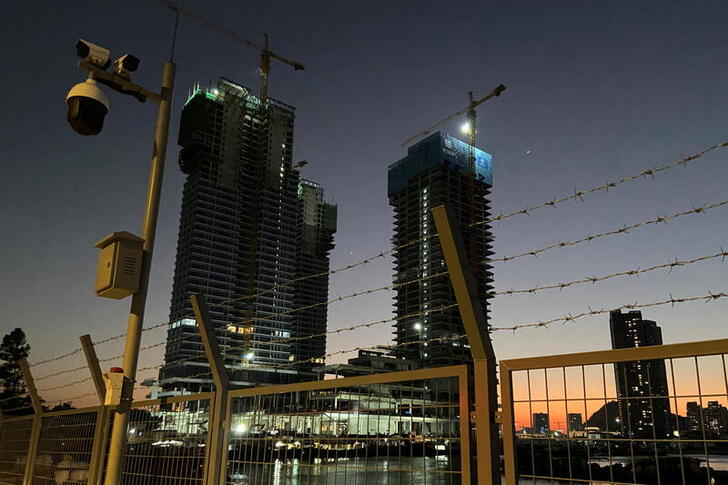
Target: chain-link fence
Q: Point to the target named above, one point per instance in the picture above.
(14, 444)
(650, 415)
(403, 428)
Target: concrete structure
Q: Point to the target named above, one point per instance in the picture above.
(648, 417)
(246, 223)
(434, 172)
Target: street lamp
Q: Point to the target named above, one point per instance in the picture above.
(87, 108)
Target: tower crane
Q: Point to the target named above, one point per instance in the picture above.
(265, 53)
(470, 126)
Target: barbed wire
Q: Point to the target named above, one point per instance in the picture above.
(100, 342)
(570, 318)
(551, 203)
(441, 308)
(59, 373)
(595, 279)
(56, 358)
(579, 194)
(333, 354)
(63, 386)
(342, 298)
(622, 230)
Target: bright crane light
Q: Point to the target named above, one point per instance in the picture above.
(465, 128)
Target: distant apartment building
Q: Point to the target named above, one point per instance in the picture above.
(436, 171)
(248, 228)
(541, 424)
(712, 419)
(575, 422)
(644, 411)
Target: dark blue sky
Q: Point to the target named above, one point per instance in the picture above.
(596, 91)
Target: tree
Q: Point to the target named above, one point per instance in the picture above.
(12, 386)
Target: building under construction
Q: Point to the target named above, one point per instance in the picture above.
(248, 228)
(436, 171)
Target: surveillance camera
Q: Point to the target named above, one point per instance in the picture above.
(87, 107)
(125, 65)
(94, 54)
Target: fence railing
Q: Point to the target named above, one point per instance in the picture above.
(643, 415)
(400, 427)
(647, 415)
(407, 426)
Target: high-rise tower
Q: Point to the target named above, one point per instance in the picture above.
(315, 239)
(239, 236)
(434, 172)
(641, 415)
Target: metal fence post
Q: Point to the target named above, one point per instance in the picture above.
(37, 421)
(216, 452)
(508, 425)
(476, 328)
(98, 451)
(101, 430)
(93, 366)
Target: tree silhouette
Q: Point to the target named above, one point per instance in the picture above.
(12, 386)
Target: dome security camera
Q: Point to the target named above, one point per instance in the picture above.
(87, 107)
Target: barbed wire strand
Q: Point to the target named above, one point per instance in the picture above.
(525, 211)
(570, 318)
(339, 352)
(596, 279)
(353, 327)
(551, 203)
(579, 194)
(100, 342)
(345, 297)
(622, 230)
(56, 358)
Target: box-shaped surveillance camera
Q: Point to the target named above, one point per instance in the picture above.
(120, 265)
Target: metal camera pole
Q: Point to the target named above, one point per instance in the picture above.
(117, 444)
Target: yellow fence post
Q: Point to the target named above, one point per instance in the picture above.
(37, 421)
(476, 328)
(93, 366)
(216, 453)
(508, 425)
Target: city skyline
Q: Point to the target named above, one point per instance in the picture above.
(561, 125)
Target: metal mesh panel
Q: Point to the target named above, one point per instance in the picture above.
(64, 449)
(659, 421)
(401, 432)
(14, 440)
(166, 443)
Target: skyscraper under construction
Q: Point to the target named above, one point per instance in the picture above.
(436, 171)
(249, 230)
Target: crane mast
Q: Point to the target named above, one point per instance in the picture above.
(469, 112)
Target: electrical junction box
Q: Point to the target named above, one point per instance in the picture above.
(120, 265)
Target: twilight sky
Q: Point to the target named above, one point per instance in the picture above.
(596, 91)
